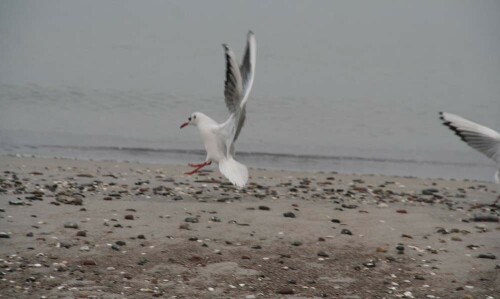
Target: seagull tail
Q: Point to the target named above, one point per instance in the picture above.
(234, 171)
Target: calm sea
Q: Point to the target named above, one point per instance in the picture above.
(352, 87)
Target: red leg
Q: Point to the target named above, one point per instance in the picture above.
(198, 167)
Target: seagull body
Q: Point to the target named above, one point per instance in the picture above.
(219, 138)
(479, 137)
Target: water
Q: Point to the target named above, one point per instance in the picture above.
(353, 87)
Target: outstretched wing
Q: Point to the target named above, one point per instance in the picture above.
(237, 86)
(479, 137)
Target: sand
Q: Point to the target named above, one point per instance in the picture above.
(87, 229)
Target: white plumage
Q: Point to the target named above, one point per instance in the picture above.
(218, 138)
(479, 137)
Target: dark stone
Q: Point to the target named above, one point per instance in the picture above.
(141, 237)
(335, 220)
(285, 291)
(345, 231)
(192, 220)
(486, 218)
(487, 256)
(289, 215)
(430, 191)
(264, 208)
(120, 243)
(4, 235)
(114, 247)
(323, 254)
(129, 217)
(81, 233)
(70, 224)
(30, 234)
(296, 243)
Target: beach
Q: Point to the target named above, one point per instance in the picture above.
(104, 229)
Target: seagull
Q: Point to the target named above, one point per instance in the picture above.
(479, 137)
(218, 138)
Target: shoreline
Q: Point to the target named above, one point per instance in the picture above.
(111, 229)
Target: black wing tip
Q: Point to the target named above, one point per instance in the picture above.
(250, 33)
(452, 127)
(441, 116)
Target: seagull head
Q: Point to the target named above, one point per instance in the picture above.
(192, 120)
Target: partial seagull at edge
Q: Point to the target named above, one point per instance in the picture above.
(479, 137)
(219, 139)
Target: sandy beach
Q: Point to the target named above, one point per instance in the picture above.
(87, 229)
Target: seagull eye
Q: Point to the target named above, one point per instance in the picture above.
(189, 118)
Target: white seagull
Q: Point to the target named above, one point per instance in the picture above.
(218, 138)
(481, 138)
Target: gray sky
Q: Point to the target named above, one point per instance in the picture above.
(355, 66)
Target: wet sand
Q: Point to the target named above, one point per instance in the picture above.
(86, 229)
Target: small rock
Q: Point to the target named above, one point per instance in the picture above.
(486, 218)
(323, 254)
(430, 191)
(89, 263)
(402, 211)
(71, 224)
(120, 243)
(369, 264)
(4, 235)
(115, 248)
(81, 233)
(335, 220)
(65, 244)
(142, 237)
(264, 208)
(487, 256)
(129, 217)
(30, 234)
(296, 243)
(16, 202)
(345, 231)
(289, 215)
(191, 220)
(285, 291)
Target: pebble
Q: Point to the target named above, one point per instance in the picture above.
(120, 243)
(345, 231)
(264, 208)
(323, 254)
(142, 237)
(487, 256)
(71, 224)
(191, 220)
(285, 291)
(4, 235)
(16, 202)
(81, 233)
(486, 218)
(289, 215)
(335, 220)
(296, 243)
(129, 217)
(89, 263)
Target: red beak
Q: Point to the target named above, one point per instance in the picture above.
(184, 124)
